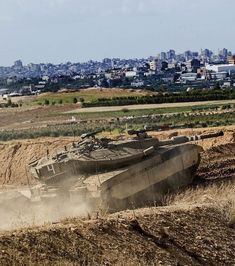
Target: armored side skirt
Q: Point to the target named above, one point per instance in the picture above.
(147, 182)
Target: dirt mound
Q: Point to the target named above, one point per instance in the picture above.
(191, 236)
(16, 155)
(221, 151)
(218, 163)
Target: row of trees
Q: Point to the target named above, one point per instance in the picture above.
(60, 101)
(194, 96)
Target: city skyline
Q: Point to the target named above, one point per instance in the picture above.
(157, 56)
(58, 31)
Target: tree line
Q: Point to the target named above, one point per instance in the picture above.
(195, 96)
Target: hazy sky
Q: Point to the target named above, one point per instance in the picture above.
(78, 30)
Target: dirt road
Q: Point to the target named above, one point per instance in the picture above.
(147, 106)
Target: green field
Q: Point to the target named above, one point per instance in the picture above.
(86, 95)
(181, 117)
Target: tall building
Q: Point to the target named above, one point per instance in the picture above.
(170, 54)
(18, 64)
(206, 53)
(33, 67)
(223, 53)
(231, 60)
(195, 65)
(163, 56)
(154, 65)
(188, 55)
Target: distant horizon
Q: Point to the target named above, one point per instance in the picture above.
(81, 30)
(115, 57)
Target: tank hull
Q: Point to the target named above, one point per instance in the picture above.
(169, 169)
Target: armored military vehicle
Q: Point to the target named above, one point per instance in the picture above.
(119, 174)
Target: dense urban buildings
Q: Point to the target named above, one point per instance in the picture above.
(187, 70)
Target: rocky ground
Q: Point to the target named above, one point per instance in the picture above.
(197, 227)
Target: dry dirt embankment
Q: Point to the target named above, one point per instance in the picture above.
(16, 155)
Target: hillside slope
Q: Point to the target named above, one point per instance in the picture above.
(191, 235)
(16, 155)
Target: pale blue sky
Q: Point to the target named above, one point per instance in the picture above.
(78, 30)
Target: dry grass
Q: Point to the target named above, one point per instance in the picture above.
(220, 196)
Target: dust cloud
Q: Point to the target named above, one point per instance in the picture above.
(17, 211)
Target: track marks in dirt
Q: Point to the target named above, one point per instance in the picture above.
(218, 163)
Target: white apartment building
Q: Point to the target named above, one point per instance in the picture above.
(221, 68)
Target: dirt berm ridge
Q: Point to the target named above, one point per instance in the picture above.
(16, 155)
(196, 235)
